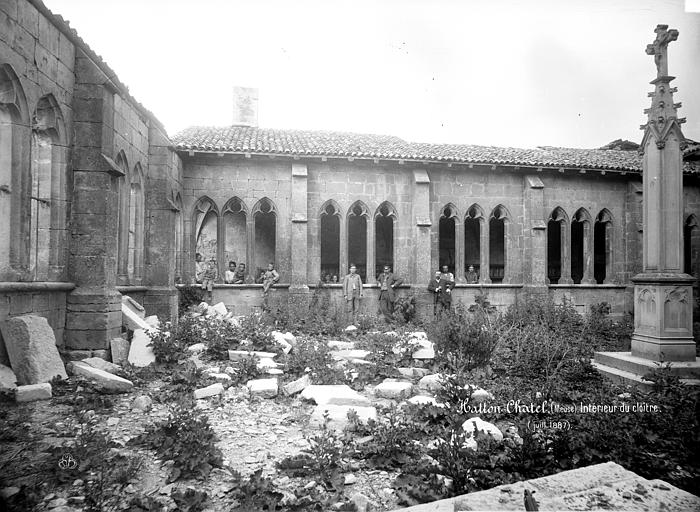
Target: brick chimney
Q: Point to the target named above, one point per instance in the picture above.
(245, 106)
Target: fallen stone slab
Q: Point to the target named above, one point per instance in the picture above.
(197, 348)
(418, 335)
(395, 390)
(349, 355)
(33, 392)
(274, 371)
(140, 354)
(119, 348)
(340, 345)
(323, 394)
(478, 424)
(296, 386)
(238, 355)
(338, 415)
(8, 379)
(104, 381)
(31, 348)
(219, 308)
(153, 321)
(213, 390)
(98, 362)
(425, 400)
(424, 353)
(350, 328)
(413, 372)
(265, 388)
(132, 321)
(225, 377)
(134, 305)
(431, 382)
(281, 340)
(267, 362)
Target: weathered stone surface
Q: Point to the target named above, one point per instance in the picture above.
(32, 392)
(481, 425)
(266, 388)
(8, 379)
(424, 353)
(238, 355)
(274, 371)
(480, 395)
(340, 345)
(297, 385)
(265, 363)
(325, 394)
(338, 415)
(140, 354)
(430, 383)
(281, 340)
(350, 328)
(393, 389)
(197, 347)
(120, 350)
(142, 403)
(224, 377)
(425, 400)
(213, 390)
(218, 308)
(132, 321)
(349, 355)
(152, 321)
(134, 306)
(98, 362)
(31, 347)
(104, 381)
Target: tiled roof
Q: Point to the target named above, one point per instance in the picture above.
(245, 139)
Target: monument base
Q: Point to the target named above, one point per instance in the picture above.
(625, 368)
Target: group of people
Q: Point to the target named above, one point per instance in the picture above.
(352, 292)
(206, 273)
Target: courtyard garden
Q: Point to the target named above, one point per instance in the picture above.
(290, 410)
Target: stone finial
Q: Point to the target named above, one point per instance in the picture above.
(659, 48)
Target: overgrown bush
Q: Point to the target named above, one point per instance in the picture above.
(314, 357)
(167, 347)
(316, 316)
(188, 296)
(186, 439)
(405, 309)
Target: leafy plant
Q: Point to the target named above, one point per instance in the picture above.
(189, 295)
(187, 439)
(405, 309)
(314, 357)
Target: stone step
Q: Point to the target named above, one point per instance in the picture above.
(622, 376)
(639, 366)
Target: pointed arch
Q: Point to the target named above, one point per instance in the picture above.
(603, 246)
(123, 188)
(205, 222)
(691, 245)
(329, 236)
(235, 231)
(557, 247)
(357, 227)
(384, 220)
(179, 231)
(264, 214)
(447, 237)
(135, 236)
(498, 221)
(580, 246)
(474, 220)
(15, 176)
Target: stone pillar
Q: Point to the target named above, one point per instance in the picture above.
(371, 271)
(663, 295)
(93, 309)
(485, 246)
(162, 214)
(565, 232)
(588, 253)
(535, 232)
(459, 249)
(299, 243)
(343, 248)
(421, 213)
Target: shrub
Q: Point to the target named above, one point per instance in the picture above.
(189, 295)
(246, 369)
(314, 316)
(405, 309)
(314, 356)
(167, 347)
(186, 439)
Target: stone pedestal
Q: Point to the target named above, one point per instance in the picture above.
(663, 320)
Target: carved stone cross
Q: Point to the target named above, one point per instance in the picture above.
(659, 48)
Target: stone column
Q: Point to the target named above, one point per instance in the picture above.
(587, 253)
(93, 309)
(485, 247)
(343, 248)
(421, 214)
(300, 241)
(565, 232)
(371, 271)
(663, 295)
(459, 249)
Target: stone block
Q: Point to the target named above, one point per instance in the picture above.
(153, 321)
(238, 355)
(265, 362)
(31, 347)
(133, 321)
(338, 415)
(349, 355)
(297, 385)
(430, 383)
(213, 390)
(326, 394)
(32, 392)
(341, 345)
(104, 381)
(265, 388)
(393, 389)
(424, 353)
(142, 403)
(133, 305)
(424, 400)
(225, 377)
(120, 350)
(478, 424)
(8, 379)
(140, 354)
(197, 348)
(101, 364)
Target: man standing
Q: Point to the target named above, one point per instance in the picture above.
(447, 283)
(352, 292)
(434, 288)
(387, 282)
(471, 276)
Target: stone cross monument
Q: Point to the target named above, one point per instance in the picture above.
(663, 294)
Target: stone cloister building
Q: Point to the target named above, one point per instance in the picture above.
(97, 201)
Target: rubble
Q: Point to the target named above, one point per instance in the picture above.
(213, 390)
(140, 354)
(104, 381)
(32, 392)
(265, 388)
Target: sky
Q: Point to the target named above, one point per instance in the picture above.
(570, 73)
